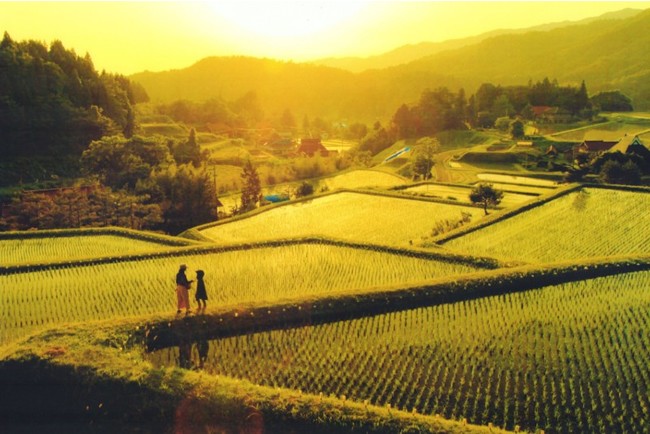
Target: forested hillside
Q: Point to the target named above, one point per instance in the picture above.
(607, 54)
(411, 52)
(53, 103)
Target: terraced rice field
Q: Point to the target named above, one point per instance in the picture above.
(512, 179)
(589, 223)
(63, 248)
(461, 194)
(573, 357)
(350, 216)
(362, 179)
(30, 300)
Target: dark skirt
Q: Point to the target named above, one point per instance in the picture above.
(200, 292)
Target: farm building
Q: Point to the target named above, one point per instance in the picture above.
(594, 147)
(311, 147)
(552, 115)
(631, 145)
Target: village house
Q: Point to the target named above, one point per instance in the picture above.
(626, 145)
(311, 147)
(551, 115)
(631, 145)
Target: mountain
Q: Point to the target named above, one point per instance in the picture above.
(411, 52)
(607, 53)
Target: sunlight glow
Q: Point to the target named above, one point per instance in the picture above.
(287, 19)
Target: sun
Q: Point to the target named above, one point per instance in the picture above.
(286, 19)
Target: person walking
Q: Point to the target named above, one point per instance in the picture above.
(182, 290)
(201, 295)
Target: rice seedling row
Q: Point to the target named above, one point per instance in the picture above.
(588, 223)
(565, 358)
(33, 250)
(49, 245)
(347, 215)
(54, 295)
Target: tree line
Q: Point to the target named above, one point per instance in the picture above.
(53, 103)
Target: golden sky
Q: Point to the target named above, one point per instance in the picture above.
(128, 37)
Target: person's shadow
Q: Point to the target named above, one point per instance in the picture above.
(203, 347)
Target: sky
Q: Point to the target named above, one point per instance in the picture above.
(129, 37)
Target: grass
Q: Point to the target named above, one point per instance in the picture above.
(589, 223)
(344, 215)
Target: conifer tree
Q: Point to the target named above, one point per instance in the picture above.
(252, 192)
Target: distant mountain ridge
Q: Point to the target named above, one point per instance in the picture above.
(607, 53)
(411, 52)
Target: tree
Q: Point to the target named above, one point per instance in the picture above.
(423, 159)
(376, 141)
(120, 162)
(304, 189)
(188, 151)
(187, 196)
(614, 172)
(486, 195)
(613, 101)
(517, 129)
(252, 192)
(287, 121)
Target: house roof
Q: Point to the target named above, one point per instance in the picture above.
(624, 144)
(311, 146)
(551, 150)
(597, 145)
(539, 110)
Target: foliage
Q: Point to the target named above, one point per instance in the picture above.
(120, 163)
(446, 225)
(492, 102)
(186, 195)
(486, 195)
(376, 141)
(612, 101)
(189, 151)
(78, 207)
(252, 191)
(304, 189)
(613, 172)
(517, 129)
(436, 111)
(59, 98)
(423, 160)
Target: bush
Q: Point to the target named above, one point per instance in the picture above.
(304, 189)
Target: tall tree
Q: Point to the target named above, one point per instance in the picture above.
(252, 192)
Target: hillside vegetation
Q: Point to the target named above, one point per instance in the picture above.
(607, 54)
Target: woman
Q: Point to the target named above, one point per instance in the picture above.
(201, 295)
(182, 288)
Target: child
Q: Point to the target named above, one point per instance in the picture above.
(201, 295)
